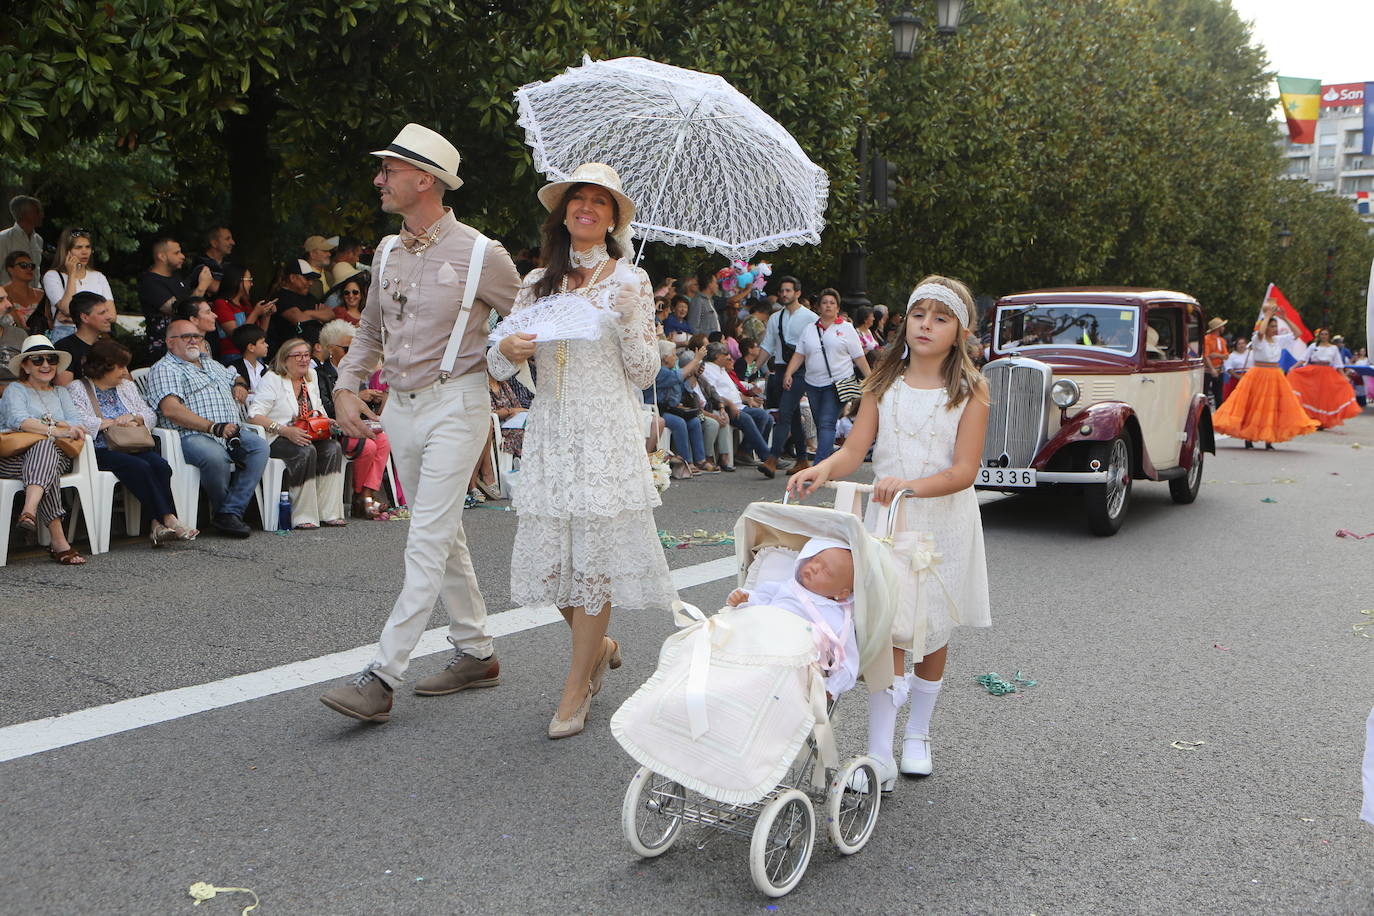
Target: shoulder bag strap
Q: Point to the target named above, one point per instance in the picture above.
(824, 356)
(389, 244)
(455, 338)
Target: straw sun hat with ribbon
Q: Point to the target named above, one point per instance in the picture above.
(428, 151)
(603, 176)
(35, 345)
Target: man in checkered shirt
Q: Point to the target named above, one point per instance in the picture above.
(200, 398)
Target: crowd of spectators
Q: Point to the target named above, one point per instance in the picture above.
(236, 377)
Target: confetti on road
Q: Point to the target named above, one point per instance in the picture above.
(697, 538)
(994, 684)
(201, 892)
(1187, 745)
(1347, 533)
(1221, 647)
(1268, 500)
(1363, 629)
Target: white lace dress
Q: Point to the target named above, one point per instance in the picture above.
(586, 534)
(916, 439)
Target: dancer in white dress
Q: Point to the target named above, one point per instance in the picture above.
(924, 412)
(586, 537)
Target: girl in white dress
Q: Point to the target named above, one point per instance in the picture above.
(924, 412)
(586, 537)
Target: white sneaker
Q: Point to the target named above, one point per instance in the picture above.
(887, 776)
(916, 756)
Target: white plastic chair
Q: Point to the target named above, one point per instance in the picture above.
(269, 493)
(80, 478)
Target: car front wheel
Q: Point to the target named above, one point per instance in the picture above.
(1183, 490)
(1106, 503)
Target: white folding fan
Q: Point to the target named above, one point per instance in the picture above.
(563, 316)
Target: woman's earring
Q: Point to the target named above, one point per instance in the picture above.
(906, 350)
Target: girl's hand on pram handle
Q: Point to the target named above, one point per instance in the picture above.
(886, 489)
(737, 597)
(803, 483)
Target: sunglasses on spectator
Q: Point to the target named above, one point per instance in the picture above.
(27, 265)
(352, 292)
(51, 359)
(80, 234)
(188, 338)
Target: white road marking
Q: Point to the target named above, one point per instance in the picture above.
(40, 735)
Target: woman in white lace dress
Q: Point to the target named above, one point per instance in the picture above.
(925, 413)
(586, 537)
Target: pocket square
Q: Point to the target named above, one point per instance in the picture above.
(447, 275)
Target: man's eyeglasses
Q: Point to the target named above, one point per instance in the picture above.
(188, 338)
(388, 170)
(27, 265)
(50, 359)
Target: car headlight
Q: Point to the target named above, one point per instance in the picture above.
(1064, 393)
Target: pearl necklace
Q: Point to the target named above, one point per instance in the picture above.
(592, 257)
(923, 430)
(561, 355)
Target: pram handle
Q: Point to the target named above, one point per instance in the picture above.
(868, 488)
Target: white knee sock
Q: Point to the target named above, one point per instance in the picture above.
(882, 716)
(923, 696)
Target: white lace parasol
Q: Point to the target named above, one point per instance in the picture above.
(562, 316)
(705, 166)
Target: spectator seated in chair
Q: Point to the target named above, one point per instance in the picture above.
(199, 398)
(369, 456)
(746, 411)
(107, 399)
(93, 315)
(680, 409)
(33, 405)
(314, 463)
(251, 365)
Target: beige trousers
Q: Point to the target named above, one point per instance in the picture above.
(437, 434)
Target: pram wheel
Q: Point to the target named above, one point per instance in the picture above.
(851, 814)
(651, 814)
(780, 848)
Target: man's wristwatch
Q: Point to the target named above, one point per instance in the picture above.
(274, 427)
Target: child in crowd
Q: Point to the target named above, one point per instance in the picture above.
(924, 412)
(821, 592)
(251, 342)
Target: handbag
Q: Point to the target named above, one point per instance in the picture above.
(846, 389)
(17, 443)
(131, 439)
(316, 425)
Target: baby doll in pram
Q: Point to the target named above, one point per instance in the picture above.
(730, 727)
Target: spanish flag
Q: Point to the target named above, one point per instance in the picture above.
(1301, 100)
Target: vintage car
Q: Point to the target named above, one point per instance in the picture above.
(1097, 388)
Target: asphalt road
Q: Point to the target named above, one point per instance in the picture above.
(1227, 622)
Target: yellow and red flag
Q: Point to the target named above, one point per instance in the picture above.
(1301, 99)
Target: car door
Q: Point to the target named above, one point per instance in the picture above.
(1165, 381)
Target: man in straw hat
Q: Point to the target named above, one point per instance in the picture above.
(1215, 351)
(434, 286)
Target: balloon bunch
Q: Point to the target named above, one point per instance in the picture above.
(742, 277)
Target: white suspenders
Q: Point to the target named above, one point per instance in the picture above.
(455, 337)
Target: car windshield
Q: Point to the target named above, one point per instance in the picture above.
(1095, 326)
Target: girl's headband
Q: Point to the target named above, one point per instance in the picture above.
(941, 294)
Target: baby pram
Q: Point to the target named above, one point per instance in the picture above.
(733, 730)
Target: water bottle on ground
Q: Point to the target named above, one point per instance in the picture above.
(284, 512)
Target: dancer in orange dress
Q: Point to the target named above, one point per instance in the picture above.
(1263, 408)
(1322, 388)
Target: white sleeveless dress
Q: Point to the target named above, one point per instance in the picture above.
(916, 436)
(585, 535)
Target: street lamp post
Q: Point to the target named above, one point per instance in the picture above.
(906, 29)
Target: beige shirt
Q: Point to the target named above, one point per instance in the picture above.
(417, 331)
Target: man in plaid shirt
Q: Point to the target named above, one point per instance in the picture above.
(199, 398)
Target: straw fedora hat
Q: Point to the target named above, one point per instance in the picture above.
(1215, 323)
(35, 345)
(428, 151)
(551, 194)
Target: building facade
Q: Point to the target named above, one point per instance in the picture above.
(1336, 162)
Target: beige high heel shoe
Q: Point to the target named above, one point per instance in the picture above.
(608, 659)
(573, 725)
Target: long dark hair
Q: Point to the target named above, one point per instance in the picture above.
(557, 261)
(232, 284)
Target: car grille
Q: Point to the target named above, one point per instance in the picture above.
(1017, 418)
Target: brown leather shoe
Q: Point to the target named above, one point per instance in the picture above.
(769, 468)
(801, 465)
(461, 672)
(366, 697)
